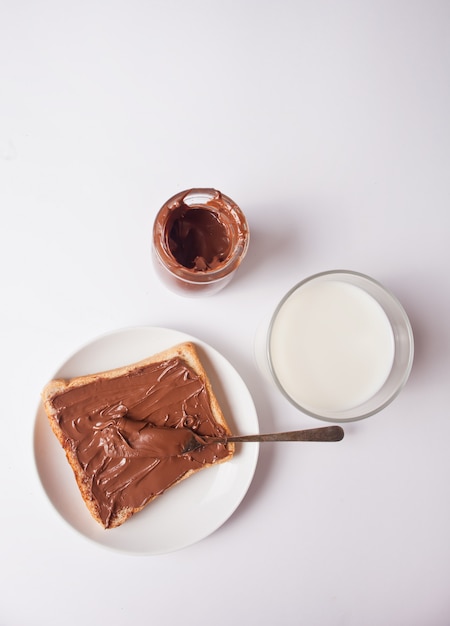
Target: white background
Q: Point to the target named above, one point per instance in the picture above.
(327, 122)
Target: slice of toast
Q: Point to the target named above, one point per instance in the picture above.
(123, 430)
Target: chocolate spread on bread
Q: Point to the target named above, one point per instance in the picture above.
(128, 432)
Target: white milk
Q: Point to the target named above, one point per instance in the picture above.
(332, 346)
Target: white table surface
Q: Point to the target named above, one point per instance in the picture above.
(328, 123)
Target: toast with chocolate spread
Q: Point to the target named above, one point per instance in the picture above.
(124, 430)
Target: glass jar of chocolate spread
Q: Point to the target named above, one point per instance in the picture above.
(200, 237)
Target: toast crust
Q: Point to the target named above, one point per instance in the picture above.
(58, 394)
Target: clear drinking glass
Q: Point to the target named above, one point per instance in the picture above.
(339, 346)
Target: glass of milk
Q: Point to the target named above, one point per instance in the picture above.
(339, 346)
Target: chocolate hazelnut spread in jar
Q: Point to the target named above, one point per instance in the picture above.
(200, 237)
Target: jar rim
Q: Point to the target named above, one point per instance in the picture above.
(220, 203)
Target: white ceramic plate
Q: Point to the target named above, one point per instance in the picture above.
(185, 513)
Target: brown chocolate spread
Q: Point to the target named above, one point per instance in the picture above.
(197, 238)
(129, 432)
